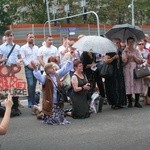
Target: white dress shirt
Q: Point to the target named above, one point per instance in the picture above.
(29, 54)
(5, 48)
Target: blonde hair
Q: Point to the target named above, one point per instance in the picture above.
(51, 65)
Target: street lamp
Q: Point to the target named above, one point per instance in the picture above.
(132, 9)
(83, 4)
(54, 11)
(48, 16)
(67, 10)
(84, 9)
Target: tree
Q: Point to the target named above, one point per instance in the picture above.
(109, 11)
(5, 10)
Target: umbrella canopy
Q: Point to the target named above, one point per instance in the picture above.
(95, 44)
(123, 31)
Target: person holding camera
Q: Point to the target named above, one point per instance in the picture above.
(5, 121)
(81, 86)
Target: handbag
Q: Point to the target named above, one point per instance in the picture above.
(66, 82)
(141, 72)
(106, 70)
(61, 94)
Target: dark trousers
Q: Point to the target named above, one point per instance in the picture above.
(31, 82)
(100, 84)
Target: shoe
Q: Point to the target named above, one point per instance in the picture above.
(40, 116)
(99, 111)
(138, 105)
(130, 105)
(120, 107)
(114, 107)
(105, 101)
(15, 112)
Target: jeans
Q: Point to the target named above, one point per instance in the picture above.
(31, 83)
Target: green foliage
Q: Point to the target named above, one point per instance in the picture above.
(109, 11)
(5, 15)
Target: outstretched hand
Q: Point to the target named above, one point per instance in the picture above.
(34, 66)
(8, 102)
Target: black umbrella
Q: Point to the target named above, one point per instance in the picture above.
(123, 31)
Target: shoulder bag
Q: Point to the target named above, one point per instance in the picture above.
(141, 72)
(61, 94)
(106, 70)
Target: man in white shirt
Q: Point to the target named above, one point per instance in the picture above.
(29, 53)
(46, 51)
(13, 59)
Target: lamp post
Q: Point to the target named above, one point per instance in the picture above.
(83, 4)
(132, 11)
(133, 22)
(54, 11)
(84, 9)
(77, 15)
(67, 10)
(48, 16)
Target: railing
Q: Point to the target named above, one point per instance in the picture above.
(41, 30)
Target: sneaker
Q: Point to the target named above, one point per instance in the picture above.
(138, 105)
(65, 122)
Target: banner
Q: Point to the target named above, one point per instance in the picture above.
(12, 78)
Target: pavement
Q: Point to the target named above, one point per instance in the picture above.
(123, 129)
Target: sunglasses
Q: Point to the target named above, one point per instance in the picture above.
(140, 44)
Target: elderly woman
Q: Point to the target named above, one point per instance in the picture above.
(115, 86)
(131, 58)
(80, 84)
(143, 51)
(52, 109)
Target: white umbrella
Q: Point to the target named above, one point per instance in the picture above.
(95, 44)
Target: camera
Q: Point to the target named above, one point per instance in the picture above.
(88, 84)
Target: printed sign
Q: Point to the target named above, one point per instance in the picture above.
(12, 78)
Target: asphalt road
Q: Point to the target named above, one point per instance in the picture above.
(124, 129)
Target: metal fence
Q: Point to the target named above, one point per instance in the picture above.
(70, 30)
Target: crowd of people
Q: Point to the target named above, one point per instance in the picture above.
(66, 67)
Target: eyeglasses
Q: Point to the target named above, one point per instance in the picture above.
(140, 44)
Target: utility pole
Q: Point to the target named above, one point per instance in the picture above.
(48, 17)
(67, 10)
(133, 21)
(131, 6)
(84, 9)
(81, 14)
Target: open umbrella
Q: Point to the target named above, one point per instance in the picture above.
(123, 31)
(95, 44)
